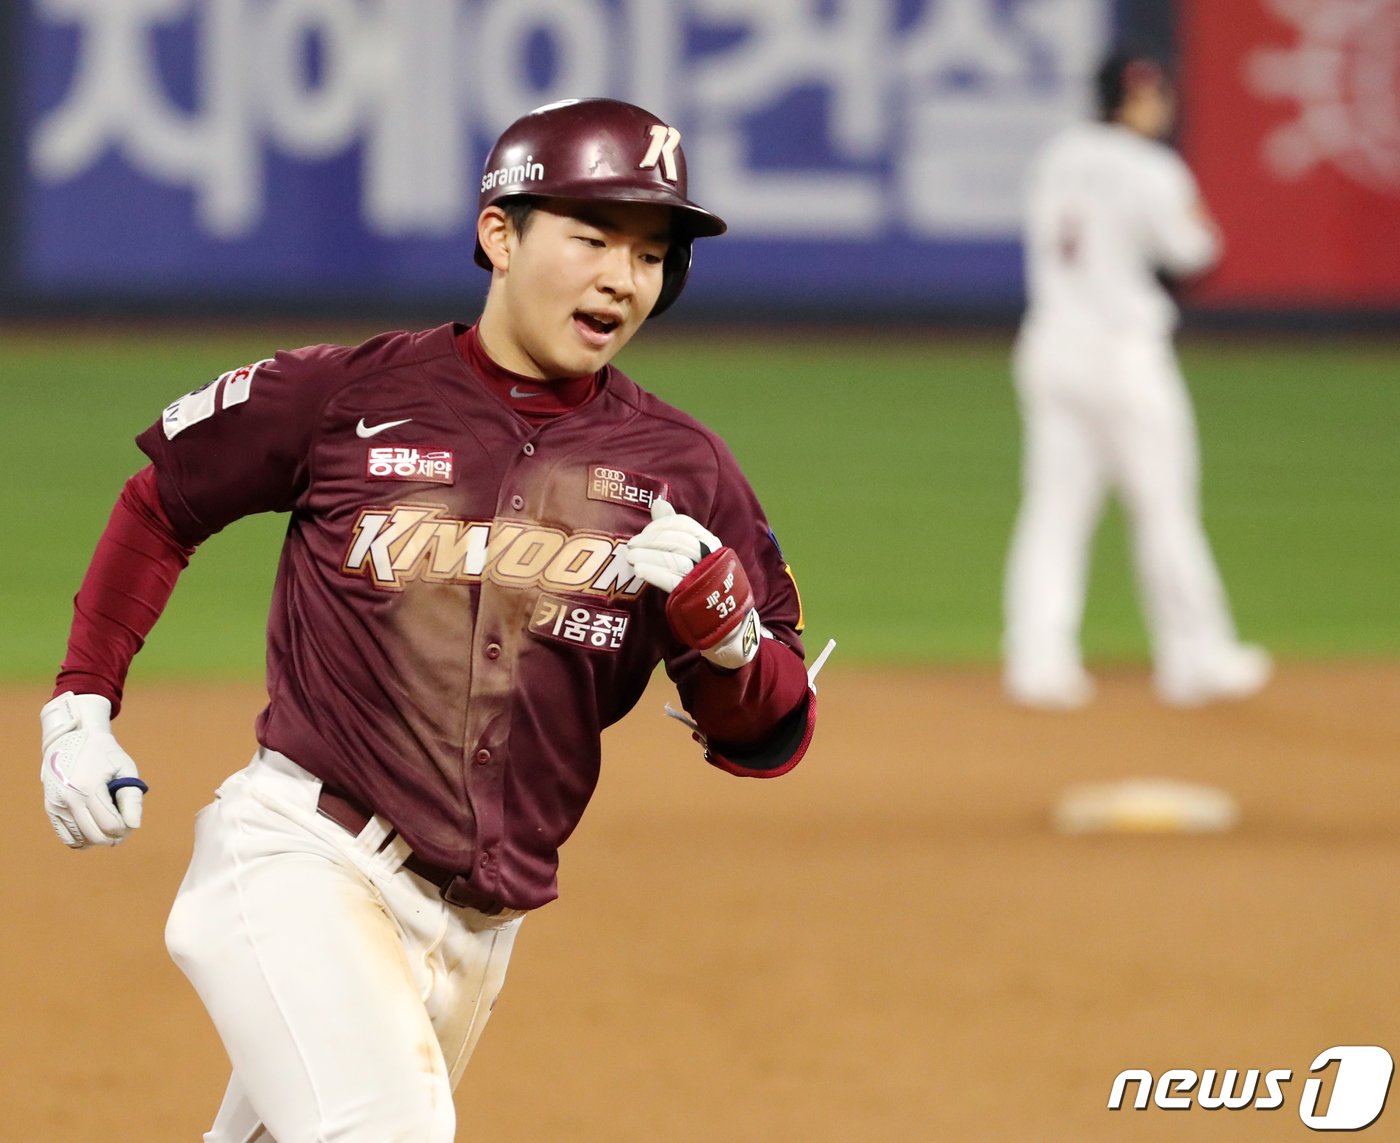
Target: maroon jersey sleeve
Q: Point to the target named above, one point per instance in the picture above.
(126, 587)
(234, 446)
(737, 518)
(241, 443)
(756, 721)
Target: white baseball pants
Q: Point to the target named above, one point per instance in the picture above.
(347, 993)
(1103, 414)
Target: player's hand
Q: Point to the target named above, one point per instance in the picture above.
(81, 759)
(710, 604)
(667, 550)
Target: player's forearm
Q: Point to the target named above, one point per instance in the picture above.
(744, 708)
(127, 585)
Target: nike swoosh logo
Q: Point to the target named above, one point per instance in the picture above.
(517, 391)
(364, 430)
(57, 773)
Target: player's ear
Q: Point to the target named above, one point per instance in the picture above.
(493, 231)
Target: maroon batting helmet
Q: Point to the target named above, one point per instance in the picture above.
(600, 149)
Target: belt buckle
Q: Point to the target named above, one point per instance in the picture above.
(458, 891)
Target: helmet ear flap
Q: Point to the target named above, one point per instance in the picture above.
(675, 268)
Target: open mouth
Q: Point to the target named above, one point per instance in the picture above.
(595, 324)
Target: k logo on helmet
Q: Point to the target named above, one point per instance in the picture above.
(664, 141)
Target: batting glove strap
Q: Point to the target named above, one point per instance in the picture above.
(712, 610)
(80, 757)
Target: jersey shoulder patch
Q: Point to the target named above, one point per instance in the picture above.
(225, 391)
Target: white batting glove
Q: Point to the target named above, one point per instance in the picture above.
(667, 550)
(710, 604)
(81, 760)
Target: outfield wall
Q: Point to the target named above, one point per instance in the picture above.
(242, 156)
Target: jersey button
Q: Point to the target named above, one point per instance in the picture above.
(493, 650)
(517, 502)
(483, 756)
(528, 449)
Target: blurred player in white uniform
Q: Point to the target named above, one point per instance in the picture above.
(1111, 211)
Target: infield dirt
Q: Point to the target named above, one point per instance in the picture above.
(888, 944)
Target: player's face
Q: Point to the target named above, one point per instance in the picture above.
(578, 284)
(1151, 109)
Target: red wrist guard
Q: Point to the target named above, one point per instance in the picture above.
(711, 601)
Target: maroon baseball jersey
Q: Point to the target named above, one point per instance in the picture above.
(454, 620)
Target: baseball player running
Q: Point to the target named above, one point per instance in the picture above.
(494, 537)
(1104, 405)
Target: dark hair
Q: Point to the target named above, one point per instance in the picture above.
(518, 210)
(1122, 70)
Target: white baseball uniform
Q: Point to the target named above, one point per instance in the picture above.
(349, 996)
(1104, 408)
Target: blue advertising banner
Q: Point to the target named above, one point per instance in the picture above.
(866, 153)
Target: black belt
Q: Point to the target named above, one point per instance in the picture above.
(455, 888)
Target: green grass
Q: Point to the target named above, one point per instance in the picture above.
(887, 464)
